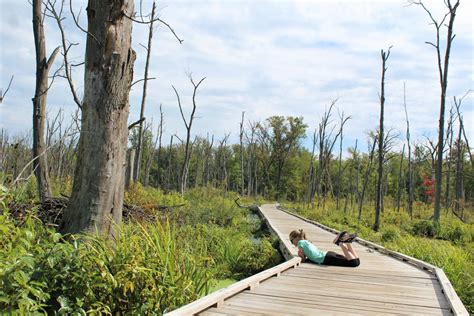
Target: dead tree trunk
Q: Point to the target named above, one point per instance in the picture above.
(43, 66)
(169, 173)
(251, 161)
(379, 192)
(139, 153)
(129, 169)
(354, 189)
(449, 136)
(207, 163)
(410, 163)
(366, 178)
(242, 184)
(97, 195)
(312, 180)
(458, 103)
(188, 125)
(151, 155)
(459, 204)
(339, 172)
(400, 179)
(443, 80)
(160, 131)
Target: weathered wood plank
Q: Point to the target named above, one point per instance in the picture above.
(341, 301)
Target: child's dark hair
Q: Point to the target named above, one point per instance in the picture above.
(300, 234)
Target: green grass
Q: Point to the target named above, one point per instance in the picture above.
(222, 284)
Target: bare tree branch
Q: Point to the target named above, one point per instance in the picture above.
(57, 16)
(2, 95)
(154, 20)
(76, 21)
(136, 123)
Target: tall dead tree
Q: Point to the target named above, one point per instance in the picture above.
(354, 181)
(457, 103)
(459, 202)
(139, 152)
(339, 171)
(459, 191)
(443, 81)
(150, 22)
(169, 171)
(410, 162)
(151, 150)
(449, 159)
(97, 195)
(400, 179)
(242, 184)
(366, 176)
(326, 145)
(251, 160)
(207, 160)
(312, 181)
(158, 155)
(188, 125)
(43, 66)
(379, 192)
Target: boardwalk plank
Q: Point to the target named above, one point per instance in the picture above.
(342, 301)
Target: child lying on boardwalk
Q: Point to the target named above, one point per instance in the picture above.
(307, 250)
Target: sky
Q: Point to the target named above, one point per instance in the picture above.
(288, 58)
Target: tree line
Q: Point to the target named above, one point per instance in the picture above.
(268, 161)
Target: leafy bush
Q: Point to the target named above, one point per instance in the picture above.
(458, 234)
(149, 198)
(426, 228)
(390, 234)
(147, 272)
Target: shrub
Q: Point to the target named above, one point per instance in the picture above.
(426, 228)
(390, 234)
(144, 272)
(458, 234)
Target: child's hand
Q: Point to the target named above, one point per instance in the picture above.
(301, 253)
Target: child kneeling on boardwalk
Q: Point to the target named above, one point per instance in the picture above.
(307, 250)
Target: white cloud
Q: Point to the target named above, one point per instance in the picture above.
(267, 58)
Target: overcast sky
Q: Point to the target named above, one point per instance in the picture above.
(289, 58)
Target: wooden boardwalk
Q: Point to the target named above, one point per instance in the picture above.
(385, 282)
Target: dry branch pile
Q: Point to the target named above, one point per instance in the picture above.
(50, 211)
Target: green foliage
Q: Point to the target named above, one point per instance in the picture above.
(149, 269)
(147, 272)
(26, 191)
(149, 198)
(390, 234)
(426, 228)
